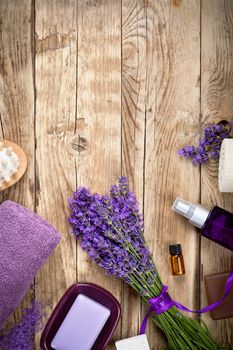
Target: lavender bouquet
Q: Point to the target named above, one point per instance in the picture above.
(21, 335)
(110, 229)
(210, 144)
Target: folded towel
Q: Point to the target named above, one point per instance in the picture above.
(26, 240)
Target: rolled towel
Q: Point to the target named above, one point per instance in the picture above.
(26, 240)
(225, 176)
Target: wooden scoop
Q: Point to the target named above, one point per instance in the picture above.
(22, 163)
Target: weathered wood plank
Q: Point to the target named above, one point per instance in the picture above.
(172, 118)
(17, 91)
(55, 77)
(99, 104)
(160, 69)
(133, 127)
(216, 104)
(17, 97)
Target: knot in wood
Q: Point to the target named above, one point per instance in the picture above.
(79, 143)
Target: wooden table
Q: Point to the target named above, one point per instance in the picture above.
(98, 88)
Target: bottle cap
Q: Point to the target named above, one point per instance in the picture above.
(175, 249)
(197, 214)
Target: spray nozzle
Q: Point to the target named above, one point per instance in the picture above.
(196, 214)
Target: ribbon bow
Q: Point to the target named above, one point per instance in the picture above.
(163, 302)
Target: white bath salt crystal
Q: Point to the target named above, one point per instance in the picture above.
(9, 151)
(139, 342)
(14, 171)
(4, 163)
(225, 174)
(9, 163)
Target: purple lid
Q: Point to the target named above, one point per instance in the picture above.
(95, 293)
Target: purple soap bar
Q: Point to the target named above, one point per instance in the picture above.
(84, 318)
(81, 326)
(215, 286)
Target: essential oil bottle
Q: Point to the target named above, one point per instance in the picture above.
(215, 224)
(177, 259)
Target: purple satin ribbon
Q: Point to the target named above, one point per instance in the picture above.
(163, 302)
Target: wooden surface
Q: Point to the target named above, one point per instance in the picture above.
(93, 89)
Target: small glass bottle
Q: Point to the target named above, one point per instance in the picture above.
(177, 259)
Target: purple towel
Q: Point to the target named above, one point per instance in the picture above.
(26, 240)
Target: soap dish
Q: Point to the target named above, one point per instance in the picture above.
(102, 298)
(13, 163)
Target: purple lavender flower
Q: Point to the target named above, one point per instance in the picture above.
(110, 229)
(21, 336)
(209, 146)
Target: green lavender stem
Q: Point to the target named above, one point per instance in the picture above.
(181, 332)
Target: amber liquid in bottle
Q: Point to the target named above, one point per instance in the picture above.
(177, 260)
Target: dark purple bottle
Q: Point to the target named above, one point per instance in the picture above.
(215, 224)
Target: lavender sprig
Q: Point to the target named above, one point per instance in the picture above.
(210, 144)
(20, 337)
(110, 229)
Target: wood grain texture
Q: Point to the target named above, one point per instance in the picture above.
(217, 104)
(133, 128)
(92, 89)
(17, 98)
(99, 106)
(172, 119)
(55, 82)
(17, 91)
